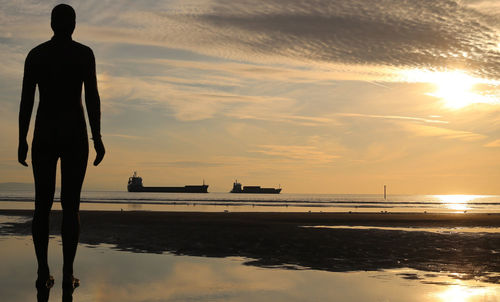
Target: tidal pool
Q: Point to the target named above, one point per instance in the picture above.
(111, 275)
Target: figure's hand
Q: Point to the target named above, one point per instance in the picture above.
(22, 152)
(100, 151)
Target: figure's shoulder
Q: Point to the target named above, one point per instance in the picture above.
(38, 53)
(84, 49)
(39, 48)
(49, 49)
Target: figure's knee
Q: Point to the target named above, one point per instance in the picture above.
(41, 213)
(70, 223)
(71, 215)
(40, 222)
(43, 202)
(70, 208)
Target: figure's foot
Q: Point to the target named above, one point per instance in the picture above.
(67, 295)
(42, 294)
(70, 282)
(44, 282)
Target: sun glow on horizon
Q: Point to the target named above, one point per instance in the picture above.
(455, 88)
(457, 202)
(457, 293)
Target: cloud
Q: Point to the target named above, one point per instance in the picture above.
(312, 74)
(426, 34)
(296, 152)
(408, 34)
(493, 144)
(124, 136)
(487, 7)
(251, 113)
(432, 131)
(392, 117)
(181, 164)
(187, 103)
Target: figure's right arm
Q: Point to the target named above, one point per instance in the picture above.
(26, 108)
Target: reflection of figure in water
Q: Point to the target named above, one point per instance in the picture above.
(59, 67)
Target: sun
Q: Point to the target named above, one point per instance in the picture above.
(455, 88)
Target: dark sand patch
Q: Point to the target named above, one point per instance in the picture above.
(278, 240)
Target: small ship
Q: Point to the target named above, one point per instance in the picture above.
(135, 185)
(253, 189)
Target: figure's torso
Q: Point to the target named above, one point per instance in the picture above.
(59, 68)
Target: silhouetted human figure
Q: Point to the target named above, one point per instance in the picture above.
(59, 67)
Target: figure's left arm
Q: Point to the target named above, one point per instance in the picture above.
(93, 104)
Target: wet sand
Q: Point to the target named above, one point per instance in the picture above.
(280, 240)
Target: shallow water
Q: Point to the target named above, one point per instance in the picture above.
(286, 202)
(111, 275)
(439, 230)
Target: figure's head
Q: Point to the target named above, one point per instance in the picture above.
(63, 20)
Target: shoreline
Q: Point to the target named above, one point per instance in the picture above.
(409, 219)
(279, 239)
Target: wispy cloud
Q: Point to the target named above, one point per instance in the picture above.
(124, 136)
(416, 34)
(392, 117)
(180, 164)
(270, 115)
(487, 7)
(192, 101)
(423, 34)
(295, 152)
(289, 73)
(432, 131)
(493, 144)
(419, 34)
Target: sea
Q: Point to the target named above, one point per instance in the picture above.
(110, 274)
(284, 202)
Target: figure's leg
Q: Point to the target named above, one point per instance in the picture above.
(44, 172)
(73, 167)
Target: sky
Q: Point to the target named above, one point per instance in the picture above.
(316, 96)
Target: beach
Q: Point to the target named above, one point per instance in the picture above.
(300, 240)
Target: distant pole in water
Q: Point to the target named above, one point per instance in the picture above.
(385, 192)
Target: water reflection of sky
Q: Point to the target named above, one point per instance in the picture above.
(457, 293)
(458, 202)
(439, 230)
(110, 275)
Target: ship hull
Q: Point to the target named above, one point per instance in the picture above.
(185, 189)
(257, 191)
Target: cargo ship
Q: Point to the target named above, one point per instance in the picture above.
(135, 185)
(237, 188)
